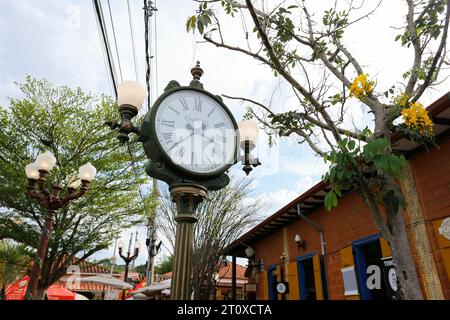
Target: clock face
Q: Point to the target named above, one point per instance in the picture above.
(195, 132)
(281, 287)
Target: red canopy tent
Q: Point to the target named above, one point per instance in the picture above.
(140, 285)
(17, 291)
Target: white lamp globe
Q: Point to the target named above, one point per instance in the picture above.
(120, 245)
(131, 93)
(45, 161)
(32, 172)
(137, 245)
(75, 184)
(249, 252)
(248, 131)
(87, 172)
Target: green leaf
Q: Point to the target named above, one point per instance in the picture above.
(200, 26)
(330, 200)
(351, 144)
(190, 23)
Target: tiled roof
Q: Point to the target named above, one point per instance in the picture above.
(86, 287)
(225, 272)
(87, 267)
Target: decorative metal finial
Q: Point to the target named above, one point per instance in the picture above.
(197, 72)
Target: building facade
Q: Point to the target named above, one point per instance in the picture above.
(92, 291)
(313, 254)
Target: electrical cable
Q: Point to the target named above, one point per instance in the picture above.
(147, 51)
(101, 24)
(115, 40)
(132, 41)
(156, 53)
(105, 60)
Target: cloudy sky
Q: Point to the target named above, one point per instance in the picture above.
(58, 40)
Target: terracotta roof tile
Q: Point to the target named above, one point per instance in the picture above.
(225, 272)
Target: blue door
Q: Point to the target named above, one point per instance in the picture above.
(306, 277)
(272, 278)
(361, 265)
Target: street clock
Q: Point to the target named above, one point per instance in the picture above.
(191, 139)
(190, 135)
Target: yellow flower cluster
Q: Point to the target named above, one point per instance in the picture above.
(361, 86)
(401, 100)
(416, 117)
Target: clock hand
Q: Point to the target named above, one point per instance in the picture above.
(177, 143)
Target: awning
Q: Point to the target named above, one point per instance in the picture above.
(17, 291)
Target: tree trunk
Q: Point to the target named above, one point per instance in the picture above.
(394, 232)
(407, 281)
(408, 286)
(40, 293)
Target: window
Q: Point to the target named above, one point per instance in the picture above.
(350, 284)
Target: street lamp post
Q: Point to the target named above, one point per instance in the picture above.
(52, 201)
(153, 249)
(191, 140)
(128, 258)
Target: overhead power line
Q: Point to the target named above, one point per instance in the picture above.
(148, 12)
(105, 43)
(156, 53)
(132, 42)
(115, 41)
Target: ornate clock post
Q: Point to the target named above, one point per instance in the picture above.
(191, 139)
(187, 197)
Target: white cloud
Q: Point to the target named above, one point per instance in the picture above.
(304, 166)
(274, 200)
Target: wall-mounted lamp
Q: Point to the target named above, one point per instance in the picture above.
(300, 242)
(249, 252)
(283, 256)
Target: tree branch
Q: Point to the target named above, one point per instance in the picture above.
(438, 55)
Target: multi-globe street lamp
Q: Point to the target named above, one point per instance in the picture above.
(52, 200)
(129, 257)
(153, 249)
(191, 140)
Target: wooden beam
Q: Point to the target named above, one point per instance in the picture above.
(443, 121)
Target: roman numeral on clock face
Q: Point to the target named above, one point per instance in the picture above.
(173, 109)
(168, 123)
(218, 125)
(198, 105)
(168, 136)
(184, 103)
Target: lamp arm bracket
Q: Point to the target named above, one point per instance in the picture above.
(42, 188)
(36, 195)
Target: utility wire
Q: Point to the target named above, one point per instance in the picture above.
(132, 41)
(156, 53)
(105, 60)
(134, 164)
(115, 41)
(147, 13)
(105, 41)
